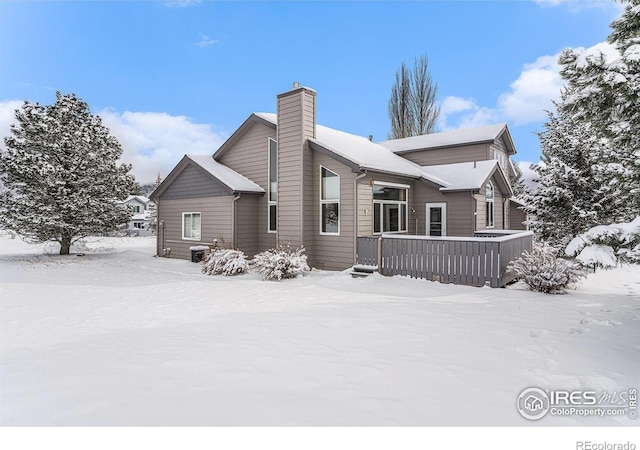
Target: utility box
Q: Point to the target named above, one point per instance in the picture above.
(197, 253)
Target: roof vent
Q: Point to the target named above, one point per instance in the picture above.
(371, 137)
(296, 85)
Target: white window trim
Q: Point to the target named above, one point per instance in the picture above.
(493, 206)
(428, 217)
(324, 202)
(271, 203)
(187, 238)
(394, 202)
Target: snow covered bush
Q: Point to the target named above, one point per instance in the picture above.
(225, 261)
(281, 262)
(543, 271)
(605, 245)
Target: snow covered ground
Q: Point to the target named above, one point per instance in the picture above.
(118, 337)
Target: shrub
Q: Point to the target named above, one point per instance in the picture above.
(544, 272)
(225, 261)
(281, 262)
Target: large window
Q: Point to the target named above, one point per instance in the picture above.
(191, 225)
(489, 197)
(389, 208)
(272, 218)
(329, 202)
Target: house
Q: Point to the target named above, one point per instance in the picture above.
(139, 223)
(283, 178)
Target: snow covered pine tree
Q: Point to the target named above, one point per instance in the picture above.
(61, 174)
(591, 147)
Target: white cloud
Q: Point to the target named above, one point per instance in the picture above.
(7, 117)
(532, 93)
(576, 5)
(529, 177)
(182, 3)
(154, 142)
(526, 101)
(205, 41)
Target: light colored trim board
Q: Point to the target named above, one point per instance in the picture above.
(329, 201)
(427, 207)
(191, 214)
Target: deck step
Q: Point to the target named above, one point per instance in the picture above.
(362, 271)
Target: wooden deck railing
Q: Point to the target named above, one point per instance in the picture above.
(475, 261)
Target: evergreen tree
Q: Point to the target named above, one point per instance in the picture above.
(61, 174)
(607, 95)
(590, 170)
(412, 106)
(561, 207)
(153, 209)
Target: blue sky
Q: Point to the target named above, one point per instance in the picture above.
(176, 77)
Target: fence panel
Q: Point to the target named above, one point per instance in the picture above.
(471, 261)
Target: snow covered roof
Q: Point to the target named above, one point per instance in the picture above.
(363, 153)
(140, 198)
(486, 133)
(464, 176)
(226, 175)
(359, 151)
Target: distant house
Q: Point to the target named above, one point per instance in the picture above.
(282, 178)
(139, 223)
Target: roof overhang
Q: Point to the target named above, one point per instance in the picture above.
(229, 143)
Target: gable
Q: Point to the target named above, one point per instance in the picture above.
(193, 182)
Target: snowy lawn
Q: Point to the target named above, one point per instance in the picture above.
(118, 337)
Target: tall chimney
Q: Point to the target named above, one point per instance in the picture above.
(296, 124)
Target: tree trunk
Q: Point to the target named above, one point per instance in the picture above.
(65, 246)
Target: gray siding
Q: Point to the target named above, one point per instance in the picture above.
(500, 146)
(216, 217)
(365, 207)
(296, 123)
(194, 182)
(460, 208)
(250, 157)
(246, 225)
(516, 217)
(477, 152)
(328, 251)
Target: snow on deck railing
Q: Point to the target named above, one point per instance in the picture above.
(475, 261)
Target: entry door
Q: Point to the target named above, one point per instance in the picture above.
(436, 219)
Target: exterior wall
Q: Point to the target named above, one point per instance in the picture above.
(250, 157)
(500, 146)
(460, 208)
(193, 182)
(296, 123)
(477, 152)
(216, 223)
(246, 225)
(516, 217)
(328, 251)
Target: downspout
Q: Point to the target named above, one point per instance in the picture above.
(357, 214)
(234, 222)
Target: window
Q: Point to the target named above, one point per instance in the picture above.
(191, 225)
(502, 159)
(488, 195)
(138, 225)
(389, 208)
(272, 213)
(136, 209)
(329, 202)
